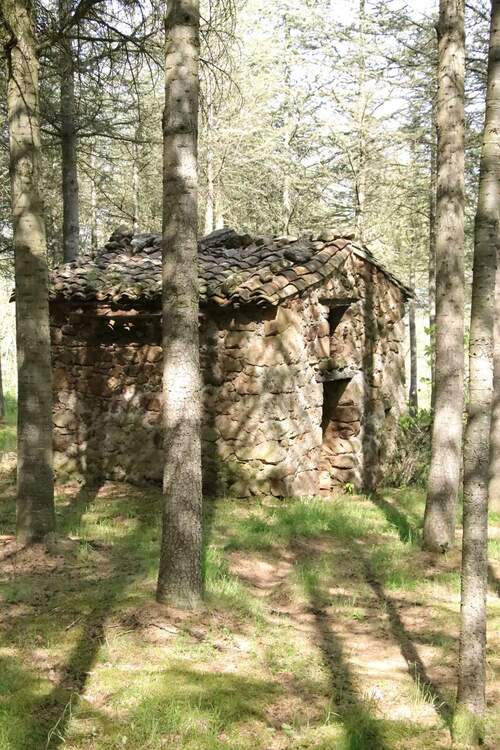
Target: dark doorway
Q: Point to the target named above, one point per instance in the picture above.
(332, 394)
(340, 422)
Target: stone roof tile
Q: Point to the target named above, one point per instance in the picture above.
(233, 269)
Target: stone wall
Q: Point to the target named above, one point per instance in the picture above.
(292, 407)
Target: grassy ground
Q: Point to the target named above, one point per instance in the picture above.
(325, 626)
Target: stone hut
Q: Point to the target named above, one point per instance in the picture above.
(301, 354)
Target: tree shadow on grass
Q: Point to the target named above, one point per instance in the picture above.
(70, 515)
(362, 729)
(191, 703)
(416, 667)
(47, 716)
(178, 701)
(407, 530)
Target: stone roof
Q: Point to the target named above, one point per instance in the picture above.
(234, 269)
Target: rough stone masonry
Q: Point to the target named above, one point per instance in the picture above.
(301, 353)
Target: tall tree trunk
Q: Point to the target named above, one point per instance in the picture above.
(93, 205)
(360, 187)
(135, 188)
(219, 211)
(288, 126)
(494, 472)
(180, 577)
(210, 202)
(35, 486)
(412, 323)
(286, 202)
(71, 216)
(471, 700)
(413, 394)
(432, 260)
(444, 475)
(2, 400)
(136, 177)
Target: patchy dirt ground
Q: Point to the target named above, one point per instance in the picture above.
(324, 626)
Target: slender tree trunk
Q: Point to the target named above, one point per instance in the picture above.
(136, 179)
(71, 216)
(135, 187)
(35, 487)
(180, 578)
(286, 204)
(493, 82)
(93, 205)
(360, 187)
(471, 701)
(413, 395)
(219, 212)
(2, 401)
(432, 260)
(494, 473)
(210, 201)
(444, 475)
(288, 128)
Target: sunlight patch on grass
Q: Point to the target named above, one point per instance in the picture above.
(93, 662)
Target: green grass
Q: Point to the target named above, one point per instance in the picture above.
(324, 626)
(8, 426)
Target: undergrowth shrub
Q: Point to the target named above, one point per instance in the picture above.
(411, 460)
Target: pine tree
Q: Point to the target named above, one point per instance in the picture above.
(180, 578)
(444, 475)
(35, 486)
(471, 702)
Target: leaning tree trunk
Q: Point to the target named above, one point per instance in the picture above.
(180, 578)
(71, 215)
(35, 486)
(471, 702)
(444, 475)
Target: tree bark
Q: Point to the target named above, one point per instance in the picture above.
(93, 206)
(71, 215)
(219, 213)
(494, 472)
(210, 202)
(471, 701)
(432, 261)
(2, 400)
(180, 577)
(413, 395)
(35, 487)
(136, 187)
(444, 475)
(493, 105)
(361, 177)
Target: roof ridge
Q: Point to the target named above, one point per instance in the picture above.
(234, 268)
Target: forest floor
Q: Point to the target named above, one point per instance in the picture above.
(325, 626)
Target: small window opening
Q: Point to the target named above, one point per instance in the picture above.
(335, 316)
